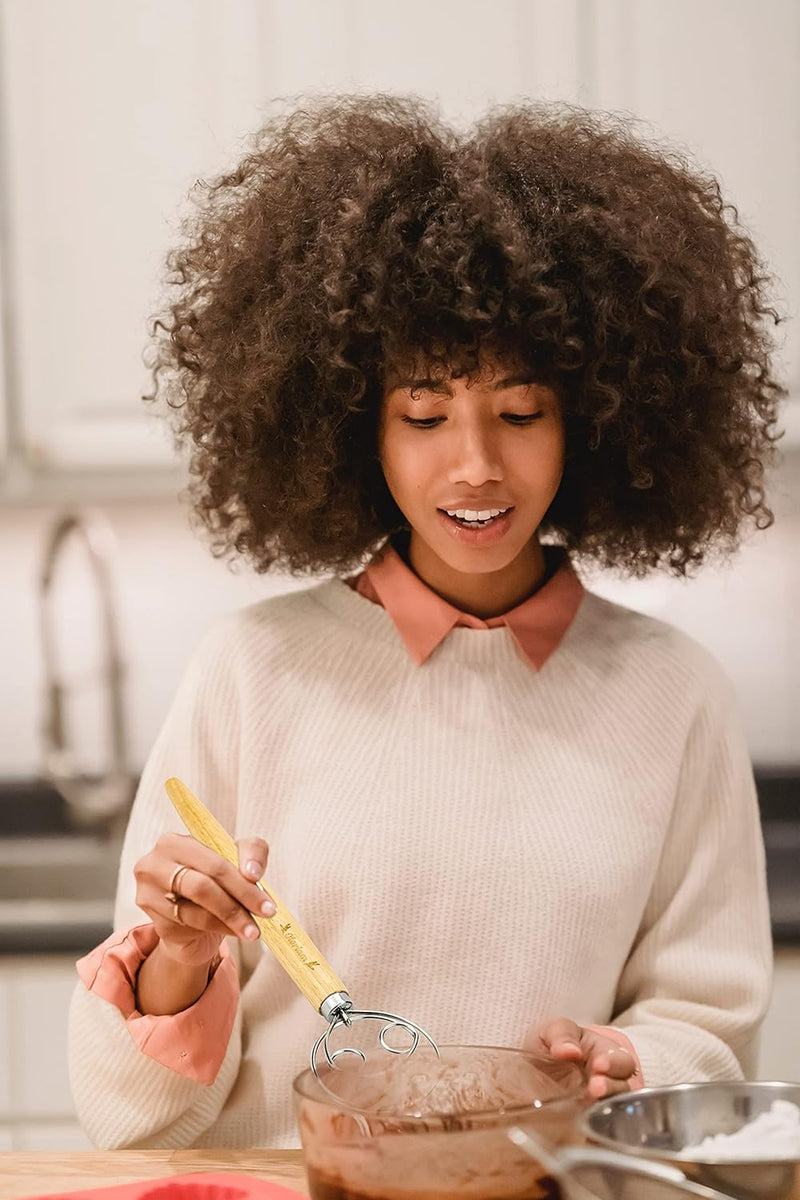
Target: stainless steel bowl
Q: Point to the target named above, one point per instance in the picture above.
(656, 1123)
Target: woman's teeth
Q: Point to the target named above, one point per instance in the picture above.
(474, 518)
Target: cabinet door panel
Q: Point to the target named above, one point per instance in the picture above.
(779, 1054)
(6, 1039)
(39, 1004)
(50, 1135)
(113, 111)
(720, 79)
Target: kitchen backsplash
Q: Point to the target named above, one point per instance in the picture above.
(168, 588)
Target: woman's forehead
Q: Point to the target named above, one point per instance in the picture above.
(415, 364)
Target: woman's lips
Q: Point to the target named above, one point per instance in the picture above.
(486, 535)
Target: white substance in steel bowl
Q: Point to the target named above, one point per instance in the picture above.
(773, 1134)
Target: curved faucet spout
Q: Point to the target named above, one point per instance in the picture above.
(89, 799)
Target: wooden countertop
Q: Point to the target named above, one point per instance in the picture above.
(37, 1173)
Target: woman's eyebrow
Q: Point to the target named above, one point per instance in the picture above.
(522, 379)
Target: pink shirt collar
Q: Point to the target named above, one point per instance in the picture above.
(423, 619)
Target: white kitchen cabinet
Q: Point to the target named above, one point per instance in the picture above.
(36, 1109)
(720, 80)
(791, 425)
(54, 1136)
(40, 996)
(4, 366)
(779, 1057)
(113, 111)
(463, 56)
(6, 1038)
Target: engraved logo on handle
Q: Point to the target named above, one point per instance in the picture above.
(286, 930)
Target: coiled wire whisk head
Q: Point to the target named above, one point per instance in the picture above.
(339, 1012)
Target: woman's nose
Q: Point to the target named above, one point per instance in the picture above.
(475, 459)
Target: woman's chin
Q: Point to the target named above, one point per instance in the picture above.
(466, 559)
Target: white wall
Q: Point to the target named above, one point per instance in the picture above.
(168, 588)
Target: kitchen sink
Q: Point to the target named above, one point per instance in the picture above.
(39, 877)
(31, 807)
(56, 892)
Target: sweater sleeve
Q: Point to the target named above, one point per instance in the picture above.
(177, 1041)
(696, 985)
(126, 1096)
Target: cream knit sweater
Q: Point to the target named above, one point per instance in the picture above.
(471, 843)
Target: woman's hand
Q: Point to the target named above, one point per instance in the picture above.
(610, 1067)
(216, 898)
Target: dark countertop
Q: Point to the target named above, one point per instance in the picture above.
(782, 842)
(32, 815)
(779, 801)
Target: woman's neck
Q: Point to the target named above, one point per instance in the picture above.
(483, 595)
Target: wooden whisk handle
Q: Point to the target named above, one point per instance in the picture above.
(286, 938)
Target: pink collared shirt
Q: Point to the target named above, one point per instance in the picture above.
(180, 1042)
(423, 620)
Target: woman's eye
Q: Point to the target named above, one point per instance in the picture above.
(521, 418)
(423, 422)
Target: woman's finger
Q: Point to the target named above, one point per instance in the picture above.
(194, 917)
(616, 1062)
(210, 881)
(562, 1038)
(207, 895)
(600, 1087)
(223, 876)
(152, 899)
(253, 855)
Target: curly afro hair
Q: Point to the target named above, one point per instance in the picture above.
(360, 232)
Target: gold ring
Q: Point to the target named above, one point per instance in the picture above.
(173, 896)
(173, 883)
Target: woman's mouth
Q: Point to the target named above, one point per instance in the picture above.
(472, 518)
(477, 527)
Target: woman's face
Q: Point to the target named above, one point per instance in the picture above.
(473, 467)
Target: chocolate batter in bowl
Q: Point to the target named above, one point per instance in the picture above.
(437, 1129)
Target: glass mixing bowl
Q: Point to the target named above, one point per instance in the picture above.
(423, 1128)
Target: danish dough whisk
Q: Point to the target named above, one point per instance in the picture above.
(299, 957)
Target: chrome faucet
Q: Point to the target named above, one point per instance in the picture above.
(91, 799)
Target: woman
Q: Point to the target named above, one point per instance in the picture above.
(445, 369)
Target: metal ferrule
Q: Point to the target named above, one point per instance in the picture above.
(334, 1005)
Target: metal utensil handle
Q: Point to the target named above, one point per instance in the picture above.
(564, 1160)
(301, 960)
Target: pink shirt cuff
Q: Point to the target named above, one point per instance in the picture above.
(192, 1042)
(636, 1080)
